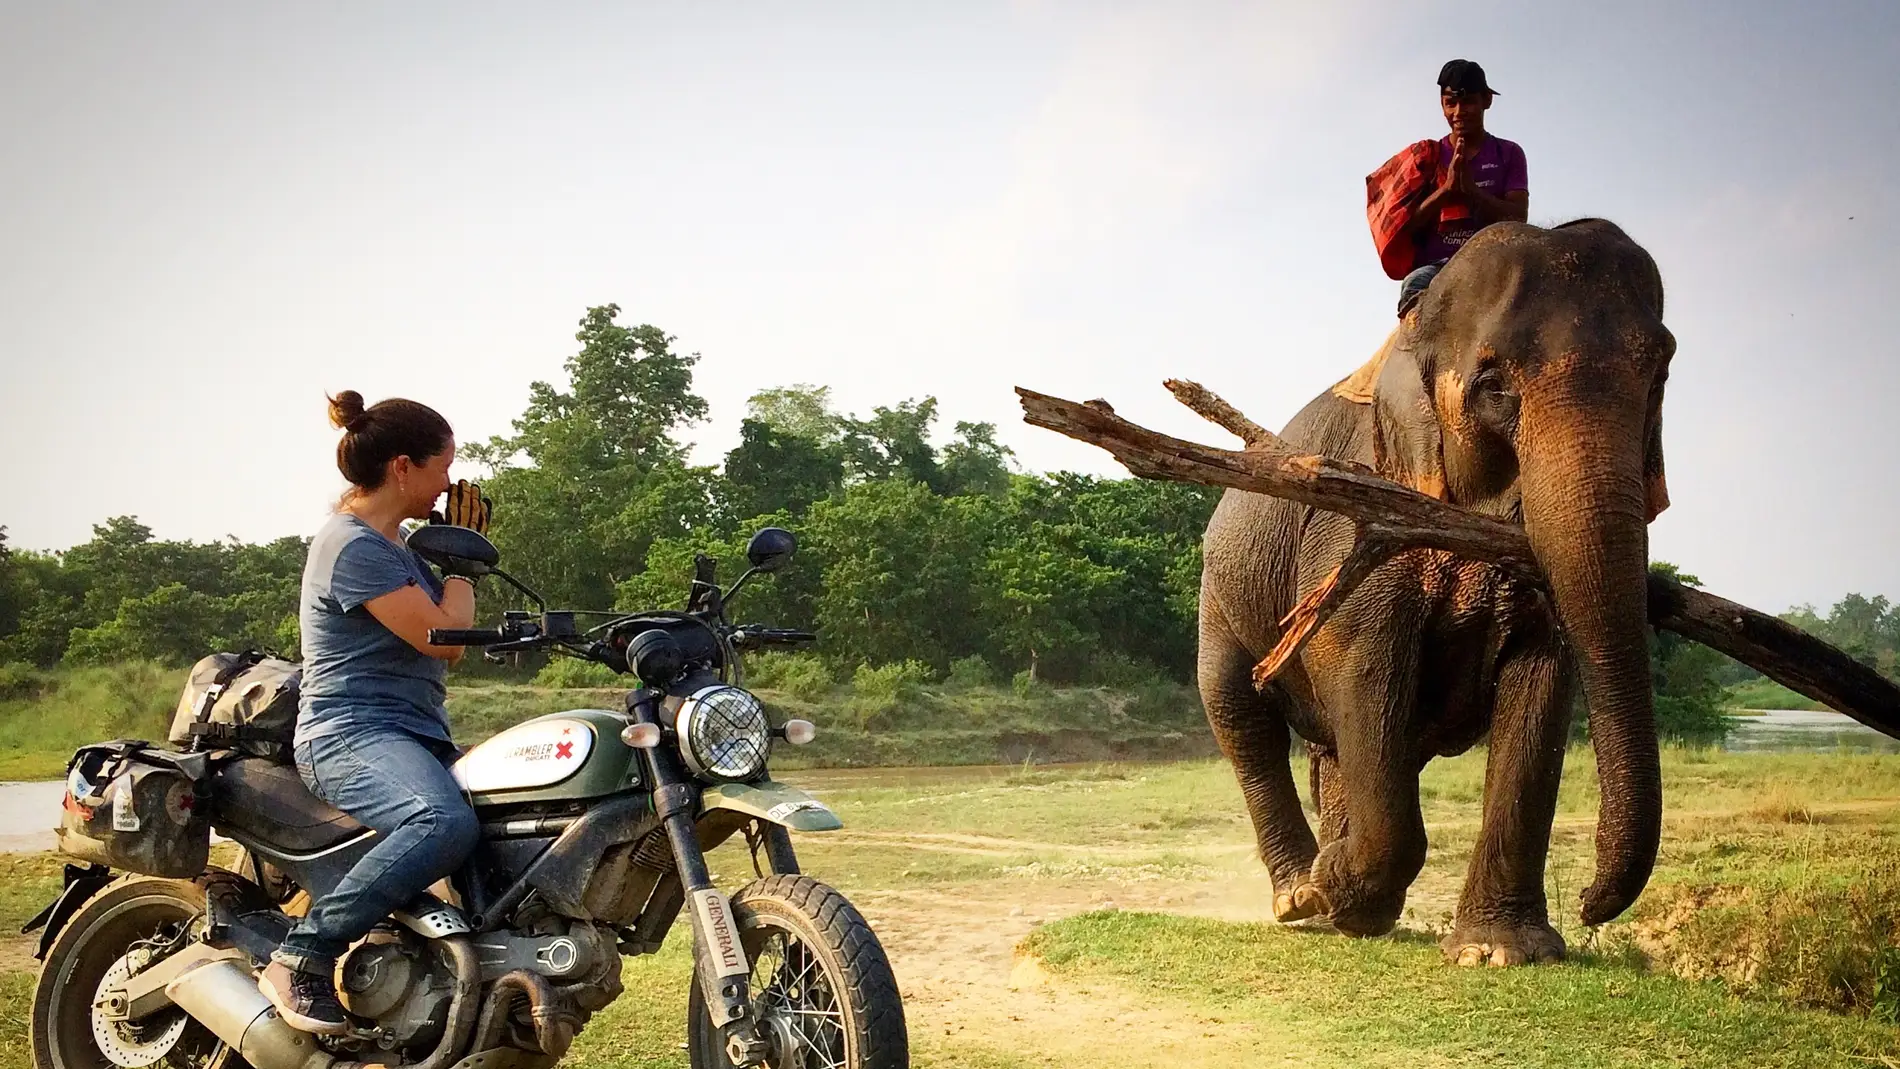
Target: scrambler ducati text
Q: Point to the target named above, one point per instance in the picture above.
(595, 824)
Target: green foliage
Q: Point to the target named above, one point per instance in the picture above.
(808, 678)
(971, 671)
(46, 715)
(800, 410)
(20, 681)
(567, 673)
(1023, 684)
(603, 476)
(1762, 693)
(975, 463)
(125, 595)
(773, 470)
(1886, 988)
(804, 675)
(1113, 668)
(894, 443)
(1810, 939)
(1690, 703)
(890, 681)
(1867, 629)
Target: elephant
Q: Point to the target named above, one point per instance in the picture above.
(1526, 385)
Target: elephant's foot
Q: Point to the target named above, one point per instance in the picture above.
(1305, 900)
(1359, 904)
(1532, 942)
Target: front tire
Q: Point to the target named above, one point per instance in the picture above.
(818, 973)
(95, 939)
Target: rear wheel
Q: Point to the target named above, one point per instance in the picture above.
(821, 986)
(121, 929)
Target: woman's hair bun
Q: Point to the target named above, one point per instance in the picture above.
(346, 408)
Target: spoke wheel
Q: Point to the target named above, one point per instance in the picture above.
(820, 985)
(95, 949)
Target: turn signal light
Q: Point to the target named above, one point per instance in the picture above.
(641, 736)
(800, 732)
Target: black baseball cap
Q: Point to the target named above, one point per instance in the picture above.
(1463, 76)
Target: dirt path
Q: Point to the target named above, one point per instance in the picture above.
(954, 952)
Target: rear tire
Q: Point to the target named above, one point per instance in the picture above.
(94, 939)
(817, 965)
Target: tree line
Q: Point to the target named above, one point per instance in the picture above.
(909, 550)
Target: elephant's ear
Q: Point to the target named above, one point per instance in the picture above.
(1656, 485)
(1407, 446)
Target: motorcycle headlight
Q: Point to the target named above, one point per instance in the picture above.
(723, 733)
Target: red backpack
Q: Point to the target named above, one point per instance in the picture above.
(1393, 193)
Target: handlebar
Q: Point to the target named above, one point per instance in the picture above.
(748, 638)
(459, 636)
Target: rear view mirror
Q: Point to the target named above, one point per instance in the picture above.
(770, 549)
(453, 547)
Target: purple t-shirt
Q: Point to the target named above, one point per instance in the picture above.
(1497, 169)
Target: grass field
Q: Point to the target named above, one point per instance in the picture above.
(1113, 916)
(1768, 694)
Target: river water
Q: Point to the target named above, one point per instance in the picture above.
(1805, 731)
(28, 811)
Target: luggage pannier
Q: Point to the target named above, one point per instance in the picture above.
(131, 807)
(240, 701)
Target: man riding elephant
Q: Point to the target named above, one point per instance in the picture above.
(1476, 180)
(1526, 384)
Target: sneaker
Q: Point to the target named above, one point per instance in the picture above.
(305, 1000)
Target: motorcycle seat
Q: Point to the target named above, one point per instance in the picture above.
(263, 800)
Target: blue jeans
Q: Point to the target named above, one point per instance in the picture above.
(1415, 283)
(398, 784)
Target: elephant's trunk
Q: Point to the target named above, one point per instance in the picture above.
(1585, 510)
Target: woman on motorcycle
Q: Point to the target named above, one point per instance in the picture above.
(372, 736)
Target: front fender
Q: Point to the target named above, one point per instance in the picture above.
(774, 802)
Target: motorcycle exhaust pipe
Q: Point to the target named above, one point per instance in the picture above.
(223, 996)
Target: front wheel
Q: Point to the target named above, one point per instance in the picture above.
(821, 987)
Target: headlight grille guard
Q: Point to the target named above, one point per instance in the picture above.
(723, 733)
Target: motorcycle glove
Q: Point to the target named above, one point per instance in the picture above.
(466, 506)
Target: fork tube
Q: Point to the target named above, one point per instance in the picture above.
(778, 849)
(722, 970)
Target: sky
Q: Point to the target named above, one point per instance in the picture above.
(215, 213)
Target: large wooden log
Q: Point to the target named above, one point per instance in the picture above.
(1778, 650)
(1392, 518)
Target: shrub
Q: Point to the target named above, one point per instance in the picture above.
(572, 673)
(971, 671)
(1116, 669)
(1886, 1004)
(21, 681)
(1024, 683)
(802, 675)
(889, 681)
(878, 692)
(1813, 941)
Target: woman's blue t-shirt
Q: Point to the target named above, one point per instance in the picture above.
(356, 672)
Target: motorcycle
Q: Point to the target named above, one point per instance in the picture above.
(595, 824)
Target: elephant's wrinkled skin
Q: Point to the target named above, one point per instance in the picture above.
(1528, 384)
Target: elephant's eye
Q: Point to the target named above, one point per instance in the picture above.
(1493, 400)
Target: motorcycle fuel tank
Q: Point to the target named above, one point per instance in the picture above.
(575, 754)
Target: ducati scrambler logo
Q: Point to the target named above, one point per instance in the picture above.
(722, 936)
(539, 753)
